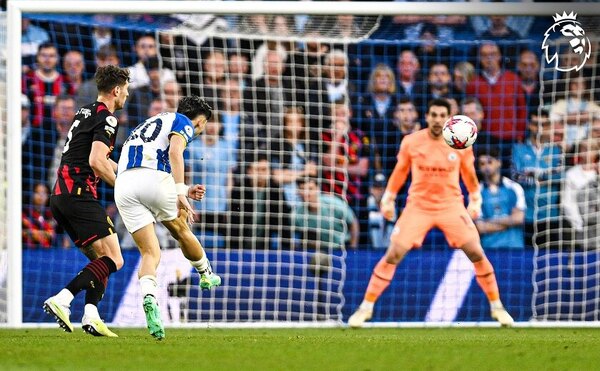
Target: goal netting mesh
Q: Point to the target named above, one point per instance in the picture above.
(567, 229)
(309, 115)
(3, 183)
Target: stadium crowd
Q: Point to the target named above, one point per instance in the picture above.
(305, 134)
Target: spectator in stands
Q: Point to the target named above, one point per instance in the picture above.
(454, 109)
(312, 58)
(145, 47)
(380, 229)
(501, 95)
(213, 75)
(576, 110)
(25, 122)
(88, 92)
(62, 115)
(101, 33)
(32, 37)
(430, 51)
(439, 82)
(529, 73)
(377, 111)
(232, 118)
(270, 94)
(579, 198)
(408, 68)
(258, 60)
(499, 30)
(254, 24)
(333, 87)
(503, 205)
(324, 221)
(140, 97)
(414, 25)
(292, 155)
(595, 129)
(238, 68)
(73, 69)
(257, 207)
(406, 121)
(171, 93)
(157, 106)
(346, 163)
(505, 38)
(41, 86)
(472, 108)
(212, 160)
(520, 24)
(181, 55)
(537, 161)
(39, 227)
(345, 27)
(462, 74)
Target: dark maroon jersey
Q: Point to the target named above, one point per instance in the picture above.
(93, 122)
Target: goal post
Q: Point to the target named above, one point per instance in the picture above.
(335, 277)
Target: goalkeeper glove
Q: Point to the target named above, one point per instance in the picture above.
(474, 208)
(388, 205)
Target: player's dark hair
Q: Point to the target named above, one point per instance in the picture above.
(193, 106)
(108, 77)
(439, 102)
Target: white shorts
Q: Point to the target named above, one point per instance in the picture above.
(144, 196)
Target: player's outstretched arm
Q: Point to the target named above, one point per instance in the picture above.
(101, 164)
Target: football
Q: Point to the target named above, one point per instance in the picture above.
(460, 132)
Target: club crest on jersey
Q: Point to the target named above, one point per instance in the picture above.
(452, 156)
(189, 131)
(112, 121)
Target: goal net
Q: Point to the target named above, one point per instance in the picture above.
(567, 260)
(3, 183)
(309, 113)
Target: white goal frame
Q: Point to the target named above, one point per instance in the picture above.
(16, 8)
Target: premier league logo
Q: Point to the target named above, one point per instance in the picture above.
(566, 44)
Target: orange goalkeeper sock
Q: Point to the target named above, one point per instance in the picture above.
(484, 274)
(380, 280)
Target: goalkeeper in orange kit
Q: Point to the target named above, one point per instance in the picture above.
(434, 200)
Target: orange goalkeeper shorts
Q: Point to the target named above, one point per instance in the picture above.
(414, 223)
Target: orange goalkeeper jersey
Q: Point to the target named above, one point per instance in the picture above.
(435, 168)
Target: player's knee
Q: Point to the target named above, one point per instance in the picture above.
(395, 253)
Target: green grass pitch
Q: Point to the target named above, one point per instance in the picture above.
(305, 349)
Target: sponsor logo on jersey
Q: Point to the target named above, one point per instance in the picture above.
(86, 112)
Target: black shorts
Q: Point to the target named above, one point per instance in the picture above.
(82, 217)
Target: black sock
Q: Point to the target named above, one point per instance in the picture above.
(93, 276)
(95, 294)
